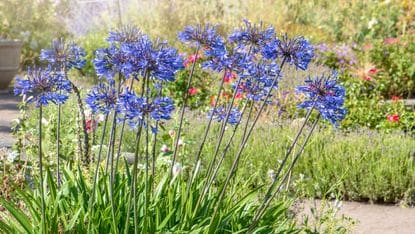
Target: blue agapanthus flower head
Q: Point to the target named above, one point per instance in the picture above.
(64, 55)
(236, 61)
(127, 34)
(43, 86)
(110, 61)
(297, 51)
(205, 37)
(253, 36)
(163, 63)
(102, 98)
(326, 95)
(258, 79)
(134, 108)
(219, 114)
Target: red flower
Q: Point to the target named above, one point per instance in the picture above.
(373, 71)
(368, 78)
(192, 91)
(239, 96)
(191, 59)
(396, 98)
(90, 125)
(393, 118)
(391, 40)
(229, 76)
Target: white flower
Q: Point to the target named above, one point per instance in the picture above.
(172, 133)
(180, 143)
(45, 121)
(371, 23)
(177, 168)
(100, 117)
(88, 113)
(337, 204)
(164, 149)
(12, 156)
(271, 174)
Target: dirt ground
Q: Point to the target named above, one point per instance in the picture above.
(370, 218)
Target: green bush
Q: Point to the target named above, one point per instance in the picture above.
(394, 57)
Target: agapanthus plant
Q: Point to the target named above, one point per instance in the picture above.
(296, 51)
(134, 108)
(127, 34)
(252, 36)
(43, 86)
(219, 114)
(64, 55)
(326, 95)
(102, 98)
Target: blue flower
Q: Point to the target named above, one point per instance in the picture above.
(297, 51)
(144, 58)
(63, 54)
(206, 37)
(219, 114)
(326, 95)
(128, 34)
(102, 97)
(43, 87)
(258, 79)
(134, 108)
(236, 61)
(252, 36)
(110, 61)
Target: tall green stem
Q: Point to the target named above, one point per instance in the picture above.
(91, 201)
(133, 194)
(242, 146)
(284, 161)
(202, 143)
(186, 97)
(261, 211)
(121, 138)
(42, 195)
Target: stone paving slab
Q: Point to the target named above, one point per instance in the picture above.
(8, 112)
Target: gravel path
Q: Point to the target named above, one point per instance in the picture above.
(376, 219)
(8, 112)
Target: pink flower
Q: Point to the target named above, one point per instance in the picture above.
(239, 96)
(191, 59)
(393, 118)
(368, 78)
(368, 46)
(91, 125)
(391, 41)
(193, 91)
(164, 149)
(396, 98)
(373, 71)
